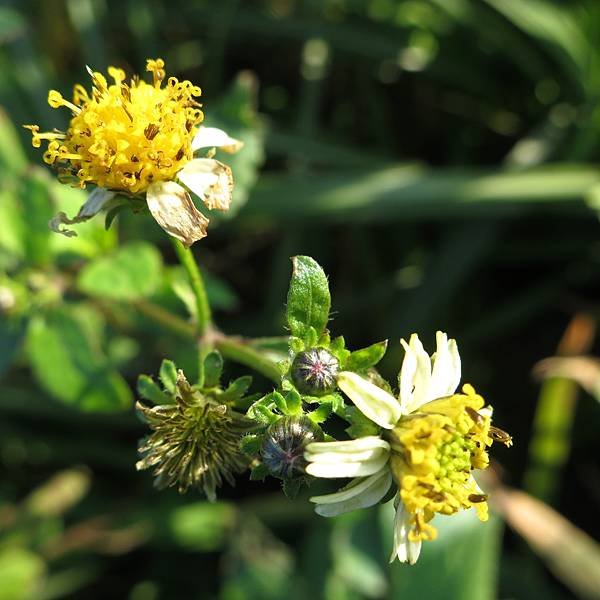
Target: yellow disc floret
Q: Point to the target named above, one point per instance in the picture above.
(124, 137)
(433, 454)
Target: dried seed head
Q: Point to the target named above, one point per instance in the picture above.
(194, 442)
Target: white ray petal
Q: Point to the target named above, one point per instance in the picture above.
(359, 493)
(211, 137)
(375, 403)
(421, 378)
(405, 550)
(349, 468)
(445, 374)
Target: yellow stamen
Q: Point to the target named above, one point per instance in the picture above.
(124, 137)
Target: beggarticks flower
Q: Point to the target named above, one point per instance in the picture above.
(138, 139)
(195, 442)
(432, 439)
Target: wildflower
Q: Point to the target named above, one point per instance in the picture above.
(432, 439)
(195, 442)
(138, 139)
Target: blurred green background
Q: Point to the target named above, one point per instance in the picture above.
(438, 158)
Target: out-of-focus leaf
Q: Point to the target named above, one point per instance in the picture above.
(11, 225)
(358, 570)
(461, 563)
(202, 526)
(68, 361)
(236, 114)
(12, 157)
(20, 573)
(258, 575)
(132, 272)
(220, 295)
(11, 334)
(308, 300)
(36, 212)
(92, 238)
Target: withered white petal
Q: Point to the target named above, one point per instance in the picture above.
(175, 212)
(359, 493)
(92, 206)
(209, 179)
(211, 137)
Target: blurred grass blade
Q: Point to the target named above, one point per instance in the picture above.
(59, 493)
(572, 555)
(550, 443)
(411, 191)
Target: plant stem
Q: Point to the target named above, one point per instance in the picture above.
(239, 351)
(233, 348)
(165, 318)
(186, 258)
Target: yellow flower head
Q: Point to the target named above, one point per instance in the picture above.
(124, 136)
(431, 441)
(434, 452)
(139, 139)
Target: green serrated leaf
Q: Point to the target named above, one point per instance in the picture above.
(276, 399)
(236, 389)
(259, 472)
(321, 414)
(296, 344)
(148, 390)
(293, 402)
(308, 300)
(168, 375)
(262, 412)
(250, 444)
(360, 426)
(213, 368)
(291, 487)
(132, 272)
(337, 347)
(366, 358)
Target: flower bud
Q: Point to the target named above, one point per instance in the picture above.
(314, 371)
(283, 447)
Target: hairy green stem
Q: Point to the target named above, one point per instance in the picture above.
(233, 348)
(186, 258)
(240, 351)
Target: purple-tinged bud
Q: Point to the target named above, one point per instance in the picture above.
(314, 371)
(283, 447)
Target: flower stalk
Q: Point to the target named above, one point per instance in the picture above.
(203, 311)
